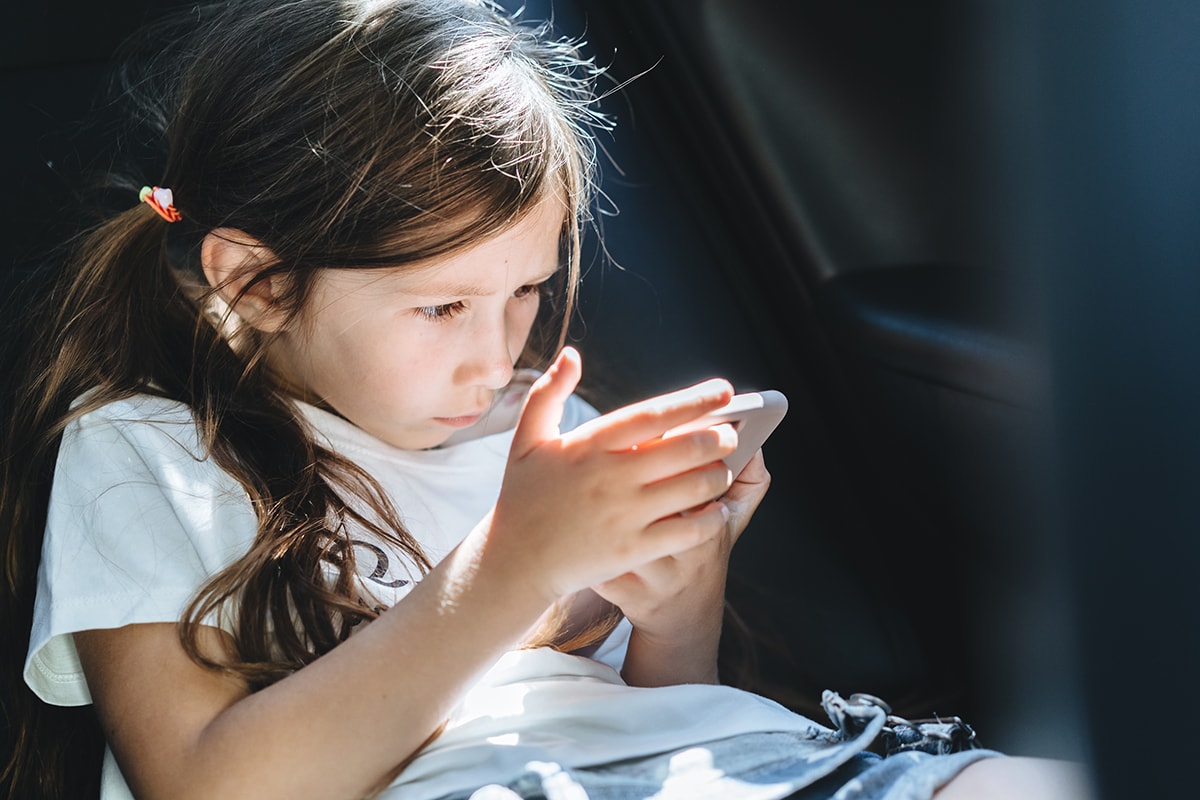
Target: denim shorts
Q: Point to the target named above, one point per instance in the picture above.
(869, 755)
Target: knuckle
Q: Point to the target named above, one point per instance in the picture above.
(718, 477)
(709, 529)
(703, 487)
(695, 530)
(625, 550)
(700, 445)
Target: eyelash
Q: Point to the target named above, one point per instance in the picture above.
(450, 310)
(440, 313)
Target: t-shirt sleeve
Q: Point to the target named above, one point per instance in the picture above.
(137, 522)
(613, 649)
(576, 411)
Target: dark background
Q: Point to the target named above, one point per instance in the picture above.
(962, 237)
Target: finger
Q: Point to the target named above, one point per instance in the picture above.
(614, 589)
(662, 458)
(755, 471)
(650, 419)
(746, 493)
(651, 574)
(751, 486)
(682, 532)
(543, 408)
(689, 490)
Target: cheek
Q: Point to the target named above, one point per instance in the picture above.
(520, 323)
(348, 355)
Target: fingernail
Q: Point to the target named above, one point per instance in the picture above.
(724, 511)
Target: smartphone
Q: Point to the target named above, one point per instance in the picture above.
(753, 415)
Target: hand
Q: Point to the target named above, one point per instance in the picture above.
(676, 603)
(746, 492)
(580, 508)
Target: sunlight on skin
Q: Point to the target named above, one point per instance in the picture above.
(412, 355)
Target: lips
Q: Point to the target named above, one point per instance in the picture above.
(464, 421)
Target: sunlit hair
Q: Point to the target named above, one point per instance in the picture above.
(338, 135)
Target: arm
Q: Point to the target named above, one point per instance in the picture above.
(332, 729)
(676, 603)
(338, 726)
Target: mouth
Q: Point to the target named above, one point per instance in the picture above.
(464, 421)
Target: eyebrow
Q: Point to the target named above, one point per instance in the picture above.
(473, 290)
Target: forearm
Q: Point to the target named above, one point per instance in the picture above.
(336, 727)
(385, 690)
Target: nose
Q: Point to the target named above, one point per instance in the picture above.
(488, 362)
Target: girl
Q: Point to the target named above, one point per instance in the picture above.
(306, 525)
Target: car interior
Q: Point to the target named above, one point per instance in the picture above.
(886, 212)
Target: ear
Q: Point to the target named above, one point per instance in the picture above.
(231, 260)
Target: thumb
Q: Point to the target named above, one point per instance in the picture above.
(544, 404)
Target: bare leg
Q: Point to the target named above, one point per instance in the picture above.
(1018, 779)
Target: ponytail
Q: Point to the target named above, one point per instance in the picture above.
(79, 335)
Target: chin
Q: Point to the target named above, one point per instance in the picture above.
(423, 440)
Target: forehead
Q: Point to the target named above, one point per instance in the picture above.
(526, 252)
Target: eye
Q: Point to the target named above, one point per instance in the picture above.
(532, 290)
(440, 313)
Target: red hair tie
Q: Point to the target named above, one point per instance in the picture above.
(162, 201)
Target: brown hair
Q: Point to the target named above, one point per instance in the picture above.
(337, 134)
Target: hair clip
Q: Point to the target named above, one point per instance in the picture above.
(162, 201)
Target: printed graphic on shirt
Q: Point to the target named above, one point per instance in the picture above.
(380, 572)
(384, 576)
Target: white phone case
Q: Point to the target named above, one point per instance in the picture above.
(754, 416)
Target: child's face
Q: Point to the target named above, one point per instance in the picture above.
(411, 355)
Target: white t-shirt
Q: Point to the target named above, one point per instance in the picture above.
(139, 519)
